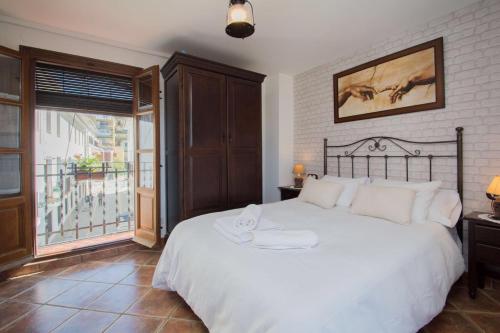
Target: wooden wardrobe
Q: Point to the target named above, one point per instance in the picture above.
(213, 137)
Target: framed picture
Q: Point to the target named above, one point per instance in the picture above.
(407, 81)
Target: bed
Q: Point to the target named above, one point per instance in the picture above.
(366, 274)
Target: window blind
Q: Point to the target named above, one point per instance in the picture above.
(77, 89)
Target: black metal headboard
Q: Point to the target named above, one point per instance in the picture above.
(379, 143)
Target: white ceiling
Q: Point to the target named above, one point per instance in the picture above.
(291, 35)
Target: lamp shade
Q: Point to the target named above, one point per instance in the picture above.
(494, 188)
(298, 169)
(240, 22)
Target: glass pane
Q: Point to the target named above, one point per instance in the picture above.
(145, 92)
(146, 170)
(10, 174)
(10, 78)
(145, 131)
(9, 128)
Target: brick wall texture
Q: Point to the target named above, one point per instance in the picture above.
(472, 87)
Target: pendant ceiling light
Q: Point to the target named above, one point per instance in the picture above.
(240, 23)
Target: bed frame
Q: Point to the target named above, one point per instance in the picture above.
(379, 143)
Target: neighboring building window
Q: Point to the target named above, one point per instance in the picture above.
(49, 122)
(58, 129)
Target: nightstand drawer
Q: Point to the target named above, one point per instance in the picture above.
(488, 235)
(488, 254)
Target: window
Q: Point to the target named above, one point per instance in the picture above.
(49, 122)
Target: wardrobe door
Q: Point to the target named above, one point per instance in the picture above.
(205, 178)
(244, 142)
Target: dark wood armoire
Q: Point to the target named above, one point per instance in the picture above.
(213, 137)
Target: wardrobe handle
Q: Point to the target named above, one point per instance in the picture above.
(223, 137)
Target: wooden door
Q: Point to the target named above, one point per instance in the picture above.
(147, 157)
(16, 197)
(205, 185)
(244, 142)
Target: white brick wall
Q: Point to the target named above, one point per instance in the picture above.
(472, 88)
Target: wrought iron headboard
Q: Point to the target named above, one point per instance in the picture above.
(379, 143)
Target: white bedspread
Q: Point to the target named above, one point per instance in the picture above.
(366, 274)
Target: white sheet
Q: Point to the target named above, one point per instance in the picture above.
(366, 274)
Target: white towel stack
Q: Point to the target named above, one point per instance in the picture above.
(249, 227)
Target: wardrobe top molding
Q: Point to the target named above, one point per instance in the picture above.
(179, 58)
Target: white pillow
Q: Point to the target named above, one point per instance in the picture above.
(445, 208)
(350, 187)
(391, 203)
(423, 199)
(323, 194)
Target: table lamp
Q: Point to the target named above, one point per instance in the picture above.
(493, 193)
(298, 171)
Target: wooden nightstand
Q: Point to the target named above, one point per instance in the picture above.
(289, 192)
(484, 249)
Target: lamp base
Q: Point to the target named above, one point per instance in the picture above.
(299, 182)
(495, 208)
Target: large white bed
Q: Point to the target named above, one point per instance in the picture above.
(366, 274)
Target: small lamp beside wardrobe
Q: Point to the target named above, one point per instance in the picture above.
(298, 171)
(493, 193)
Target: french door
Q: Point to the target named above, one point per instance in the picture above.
(17, 92)
(16, 227)
(147, 157)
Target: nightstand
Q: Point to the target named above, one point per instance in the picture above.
(289, 192)
(484, 249)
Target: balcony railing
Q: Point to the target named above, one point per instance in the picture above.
(78, 203)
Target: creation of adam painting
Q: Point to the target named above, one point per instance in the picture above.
(407, 81)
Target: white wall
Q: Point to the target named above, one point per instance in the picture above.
(277, 135)
(14, 33)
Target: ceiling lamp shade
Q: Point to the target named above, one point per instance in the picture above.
(240, 22)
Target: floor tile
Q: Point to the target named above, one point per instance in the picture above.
(490, 323)
(87, 322)
(154, 259)
(45, 290)
(137, 258)
(135, 324)
(118, 298)
(156, 303)
(81, 295)
(184, 326)
(42, 320)
(494, 294)
(110, 259)
(17, 285)
(141, 277)
(112, 273)
(459, 297)
(11, 311)
(183, 311)
(81, 271)
(450, 322)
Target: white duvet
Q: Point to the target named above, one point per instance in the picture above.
(366, 274)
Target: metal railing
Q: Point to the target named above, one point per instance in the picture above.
(76, 202)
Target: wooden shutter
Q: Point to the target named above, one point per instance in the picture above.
(16, 229)
(147, 157)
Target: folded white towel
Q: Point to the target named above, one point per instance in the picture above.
(249, 218)
(284, 239)
(225, 226)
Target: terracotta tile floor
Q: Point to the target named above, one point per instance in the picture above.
(114, 295)
(111, 294)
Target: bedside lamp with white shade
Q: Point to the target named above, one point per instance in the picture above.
(298, 171)
(493, 193)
